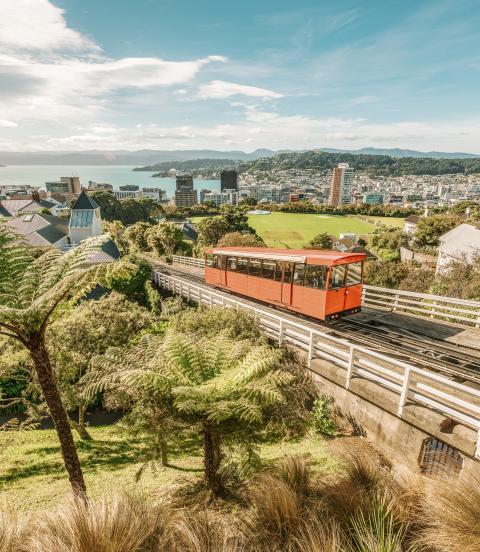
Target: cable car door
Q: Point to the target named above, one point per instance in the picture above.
(337, 292)
(286, 294)
(222, 265)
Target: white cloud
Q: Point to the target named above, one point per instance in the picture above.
(222, 89)
(38, 25)
(7, 124)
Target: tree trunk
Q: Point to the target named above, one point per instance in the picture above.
(211, 460)
(164, 453)
(47, 380)
(79, 426)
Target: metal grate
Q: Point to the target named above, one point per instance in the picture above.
(439, 459)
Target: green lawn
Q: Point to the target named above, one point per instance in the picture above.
(297, 229)
(32, 474)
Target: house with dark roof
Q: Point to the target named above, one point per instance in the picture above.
(41, 230)
(16, 207)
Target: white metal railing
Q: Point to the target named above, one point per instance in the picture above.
(408, 383)
(190, 261)
(439, 307)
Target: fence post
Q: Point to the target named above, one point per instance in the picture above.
(404, 393)
(434, 311)
(280, 332)
(477, 322)
(395, 302)
(477, 446)
(310, 350)
(351, 364)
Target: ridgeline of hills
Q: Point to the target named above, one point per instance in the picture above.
(154, 157)
(374, 165)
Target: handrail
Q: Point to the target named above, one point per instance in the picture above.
(438, 307)
(454, 400)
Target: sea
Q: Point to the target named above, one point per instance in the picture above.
(37, 175)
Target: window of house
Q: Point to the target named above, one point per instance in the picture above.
(268, 269)
(299, 274)
(316, 276)
(354, 274)
(337, 276)
(255, 267)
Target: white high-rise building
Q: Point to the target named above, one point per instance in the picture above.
(341, 185)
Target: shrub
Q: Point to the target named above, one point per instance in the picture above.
(322, 419)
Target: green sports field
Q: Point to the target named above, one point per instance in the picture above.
(296, 229)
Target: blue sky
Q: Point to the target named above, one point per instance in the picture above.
(164, 74)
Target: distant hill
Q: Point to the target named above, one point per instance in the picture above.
(396, 152)
(154, 157)
(135, 158)
(374, 165)
(191, 164)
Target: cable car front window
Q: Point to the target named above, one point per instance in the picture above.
(354, 274)
(337, 277)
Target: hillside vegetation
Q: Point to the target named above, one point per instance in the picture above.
(377, 165)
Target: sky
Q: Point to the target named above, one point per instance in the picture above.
(176, 74)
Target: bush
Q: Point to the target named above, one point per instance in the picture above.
(322, 419)
(131, 278)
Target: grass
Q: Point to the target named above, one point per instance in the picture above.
(32, 475)
(295, 230)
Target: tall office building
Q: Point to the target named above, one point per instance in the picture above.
(228, 180)
(341, 185)
(184, 183)
(67, 185)
(185, 195)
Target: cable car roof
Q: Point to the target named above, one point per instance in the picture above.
(309, 256)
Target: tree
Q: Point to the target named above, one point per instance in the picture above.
(211, 230)
(31, 292)
(87, 330)
(385, 273)
(431, 228)
(116, 230)
(136, 236)
(236, 219)
(131, 277)
(320, 241)
(165, 238)
(110, 206)
(237, 239)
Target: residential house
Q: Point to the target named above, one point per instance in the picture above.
(411, 224)
(460, 244)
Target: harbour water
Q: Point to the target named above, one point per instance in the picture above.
(37, 175)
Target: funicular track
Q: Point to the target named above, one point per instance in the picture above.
(377, 335)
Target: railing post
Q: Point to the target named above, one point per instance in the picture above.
(280, 332)
(477, 446)
(434, 311)
(310, 350)
(477, 322)
(404, 393)
(395, 302)
(351, 364)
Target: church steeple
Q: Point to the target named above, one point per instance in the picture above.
(85, 219)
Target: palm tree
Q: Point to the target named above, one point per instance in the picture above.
(31, 292)
(222, 387)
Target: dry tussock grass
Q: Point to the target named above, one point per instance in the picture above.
(366, 508)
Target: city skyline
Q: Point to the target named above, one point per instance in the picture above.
(184, 75)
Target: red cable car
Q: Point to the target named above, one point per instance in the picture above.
(321, 284)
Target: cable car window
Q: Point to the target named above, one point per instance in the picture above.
(209, 261)
(299, 274)
(337, 276)
(268, 269)
(242, 265)
(221, 262)
(232, 264)
(287, 272)
(255, 267)
(316, 276)
(354, 274)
